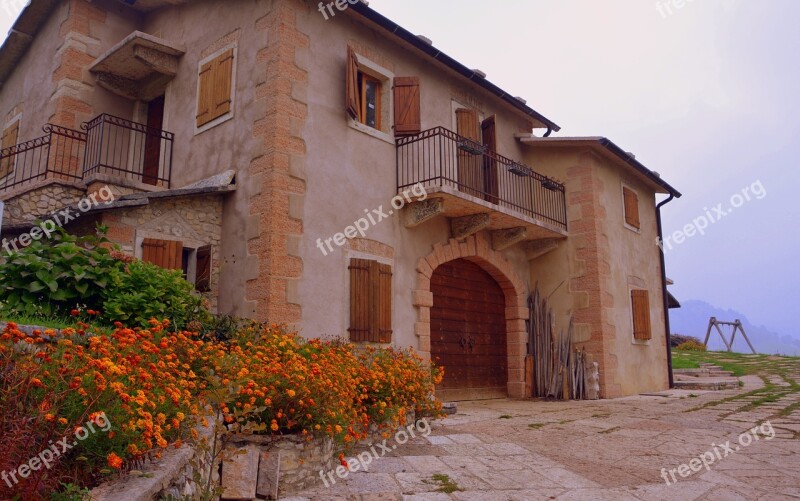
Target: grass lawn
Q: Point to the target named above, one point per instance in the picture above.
(48, 322)
(738, 363)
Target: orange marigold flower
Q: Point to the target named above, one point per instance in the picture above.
(49, 417)
(36, 382)
(114, 461)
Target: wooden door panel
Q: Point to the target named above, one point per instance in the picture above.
(468, 335)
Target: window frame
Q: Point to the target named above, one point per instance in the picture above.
(232, 112)
(385, 77)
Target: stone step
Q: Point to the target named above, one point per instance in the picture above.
(716, 384)
(703, 372)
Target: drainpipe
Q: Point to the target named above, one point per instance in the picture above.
(664, 286)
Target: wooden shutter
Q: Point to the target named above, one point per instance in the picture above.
(10, 136)
(631, 200)
(352, 97)
(470, 165)
(204, 96)
(467, 124)
(370, 301)
(407, 114)
(360, 298)
(202, 281)
(164, 253)
(214, 95)
(223, 80)
(383, 284)
(640, 304)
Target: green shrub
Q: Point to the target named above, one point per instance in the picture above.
(144, 291)
(692, 346)
(54, 277)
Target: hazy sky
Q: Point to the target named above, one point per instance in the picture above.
(706, 94)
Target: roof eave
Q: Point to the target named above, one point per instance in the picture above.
(611, 147)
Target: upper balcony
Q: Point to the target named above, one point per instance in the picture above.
(108, 149)
(474, 182)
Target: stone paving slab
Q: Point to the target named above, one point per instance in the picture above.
(610, 449)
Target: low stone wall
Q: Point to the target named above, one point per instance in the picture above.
(262, 467)
(172, 477)
(250, 467)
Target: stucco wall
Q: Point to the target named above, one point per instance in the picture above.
(28, 89)
(603, 260)
(350, 171)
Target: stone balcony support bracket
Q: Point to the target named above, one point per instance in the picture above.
(422, 211)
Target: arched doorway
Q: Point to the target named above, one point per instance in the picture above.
(468, 332)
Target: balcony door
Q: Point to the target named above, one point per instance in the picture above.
(152, 145)
(490, 184)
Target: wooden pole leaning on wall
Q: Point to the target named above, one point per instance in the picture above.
(737, 326)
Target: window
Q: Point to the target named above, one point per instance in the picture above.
(215, 89)
(631, 203)
(172, 255)
(363, 93)
(370, 301)
(375, 99)
(640, 306)
(10, 136)
(370, 100)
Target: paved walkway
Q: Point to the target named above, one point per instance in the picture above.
(609, 449)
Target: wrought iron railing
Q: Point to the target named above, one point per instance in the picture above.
(59, 154)
(119, 147)
(440, 157)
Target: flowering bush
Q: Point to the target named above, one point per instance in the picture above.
(691, 345)
(282, 383)
(152, 386)
(142, 382)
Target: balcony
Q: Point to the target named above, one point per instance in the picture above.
(108, 147)
(472, 180)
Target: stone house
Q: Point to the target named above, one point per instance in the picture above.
(320, 166)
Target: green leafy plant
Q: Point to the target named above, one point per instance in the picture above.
(51, 278)
(144, 291)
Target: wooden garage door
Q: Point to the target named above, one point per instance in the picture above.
(468, 332)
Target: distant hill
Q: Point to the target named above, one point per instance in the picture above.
(692, 320)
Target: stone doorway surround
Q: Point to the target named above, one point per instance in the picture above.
(478, 249)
